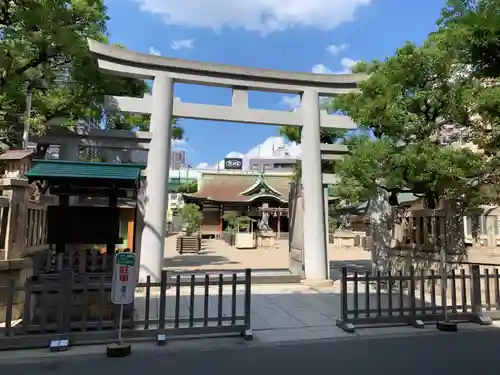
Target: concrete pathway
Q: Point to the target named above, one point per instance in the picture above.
(273, 307)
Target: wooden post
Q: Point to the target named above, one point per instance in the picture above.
(279, 223)
(113, 203)
(64, 206)
(130, 228)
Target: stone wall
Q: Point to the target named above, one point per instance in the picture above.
(18, 270)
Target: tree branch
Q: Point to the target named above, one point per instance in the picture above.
(42, 57)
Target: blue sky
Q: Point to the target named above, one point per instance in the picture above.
(296, 35)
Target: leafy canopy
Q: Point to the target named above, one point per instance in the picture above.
(43, 50)
(191, 217)
(188, 187)
(403, 108)
(471, 29)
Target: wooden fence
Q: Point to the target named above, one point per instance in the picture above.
(416, 297)
(78, 308)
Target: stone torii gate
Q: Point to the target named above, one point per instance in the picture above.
(162, 106)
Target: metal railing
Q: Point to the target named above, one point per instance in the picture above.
(78, 308)
(418, 297)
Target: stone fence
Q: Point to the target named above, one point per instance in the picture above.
(23, 223)
(23, 233)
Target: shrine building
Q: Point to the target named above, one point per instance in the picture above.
(246, 193)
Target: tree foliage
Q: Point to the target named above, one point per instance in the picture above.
(409, 102)
(188, 187)
(191, 217)
(43, 50)
(404, 106)
(471, 29)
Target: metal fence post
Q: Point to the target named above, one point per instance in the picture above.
(342, 322)
(248, 296)
(413, 304)
(476, 300)
(163, 299)
(247, 333)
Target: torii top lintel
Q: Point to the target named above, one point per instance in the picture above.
(120, 61)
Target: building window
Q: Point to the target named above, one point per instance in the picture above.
(478, 225)
(283, 165)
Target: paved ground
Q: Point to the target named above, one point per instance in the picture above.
(444, 353)
(218, 255)
(274, 307)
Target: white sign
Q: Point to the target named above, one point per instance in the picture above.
(233, 163)
(124, 278)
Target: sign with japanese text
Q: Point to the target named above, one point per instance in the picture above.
(124, 278)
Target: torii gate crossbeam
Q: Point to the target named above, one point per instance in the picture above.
(162, 107)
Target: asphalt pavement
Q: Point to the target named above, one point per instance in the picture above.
(474, 352)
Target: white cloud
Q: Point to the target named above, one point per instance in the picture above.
(264, 16)
(203, 166)
(291, 102)
(335, 49)
(346, 62)
(154, 51)
(178, 142)
(321, 69)
(268, 148)
(182, 44)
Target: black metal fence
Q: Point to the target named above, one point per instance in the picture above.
(418, 297)
(78, 308)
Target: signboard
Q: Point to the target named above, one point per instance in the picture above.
(233, 163)
(124, 278)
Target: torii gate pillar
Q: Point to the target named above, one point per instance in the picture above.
(153, 234)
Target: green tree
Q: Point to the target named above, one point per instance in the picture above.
(470, 33)
(43, 50)
(471, 30)
(329, 136)
(191, 217)
(188, 187)
(403, 107)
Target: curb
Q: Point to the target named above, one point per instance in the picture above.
(207, 344)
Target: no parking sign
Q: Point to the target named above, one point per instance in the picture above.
(124, 278)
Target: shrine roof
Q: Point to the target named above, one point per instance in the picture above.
(62, 170)
(243, 187)
(15, 154)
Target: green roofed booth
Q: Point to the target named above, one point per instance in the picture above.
(84, 223)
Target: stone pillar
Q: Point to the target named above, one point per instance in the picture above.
(315, 259)
(156, 197)
(17, 192)
(17, 270)
(380, 214)
(139, 220)
(327, 233)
